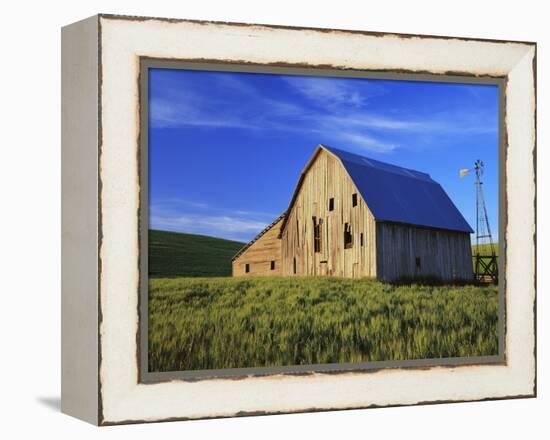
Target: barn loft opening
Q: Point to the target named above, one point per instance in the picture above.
(354, 199)
(348, 237)
(317, 234)
(247, 267)
(361, 239)
(331, 204)
(272, 265)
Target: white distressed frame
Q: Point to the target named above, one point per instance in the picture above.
(122, 41)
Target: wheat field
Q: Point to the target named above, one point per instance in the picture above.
(214, 323)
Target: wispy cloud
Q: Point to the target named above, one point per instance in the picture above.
(178, 107)
(365, 142)
(181, 215)
(367, 120)
(171, 202)
(255, 213)
(173, 113)
(211, 225)
(185, 108)
(337, 111)
(178, 204)
(333, 91)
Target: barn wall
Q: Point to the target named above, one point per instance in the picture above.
(260, 254)
(327, 178)
(443, 254)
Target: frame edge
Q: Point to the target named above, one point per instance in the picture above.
(80, 224)
(110, 421)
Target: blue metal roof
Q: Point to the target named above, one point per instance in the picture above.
(401, 195)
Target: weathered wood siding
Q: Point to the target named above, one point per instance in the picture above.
(325, 179)
(443, 254)
(260, 254)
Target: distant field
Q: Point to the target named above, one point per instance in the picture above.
(484, 249)
(205, 323)
(173, 254)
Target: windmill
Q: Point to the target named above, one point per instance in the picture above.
(485, 257)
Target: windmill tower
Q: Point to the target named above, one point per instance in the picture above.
(484, 255)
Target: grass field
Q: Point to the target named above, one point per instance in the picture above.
(173, 254)
(205, 323)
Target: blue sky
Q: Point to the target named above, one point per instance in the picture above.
(226, 149)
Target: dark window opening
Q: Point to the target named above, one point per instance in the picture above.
(317, 233)
(247, 268)
(294, 265)
(354, 199)
(361, 239)
(418, 264)
(348, 237)
(297, 232)
(272, 265)
(331, 204)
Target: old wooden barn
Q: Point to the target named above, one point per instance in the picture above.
(351, 216)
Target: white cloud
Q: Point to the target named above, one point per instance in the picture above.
(177, 204)
(181, 215)
(256, 213)
(340, 113)
(333, 91)
(367, 120)
(175, 113)
(365, 142)
(179, 201)
(175, 107)
(212, 225)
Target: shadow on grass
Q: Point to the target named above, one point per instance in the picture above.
(435, 281)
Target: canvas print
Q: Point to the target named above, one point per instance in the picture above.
(312, 220)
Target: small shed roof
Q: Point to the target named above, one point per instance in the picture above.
(257, 237)
(401, 195)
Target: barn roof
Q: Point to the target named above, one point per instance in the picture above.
(402, 195)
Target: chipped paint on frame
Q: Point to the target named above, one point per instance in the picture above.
(342, 368)
(122, 398)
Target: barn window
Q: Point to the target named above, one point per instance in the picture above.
(418, 263)
(354, 199)
(272, 264)
(331, 204)
(294, 265)
(317, 234)
(348, 237)
(247, 268)
(361, 239)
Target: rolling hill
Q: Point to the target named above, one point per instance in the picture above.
(174, 254)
